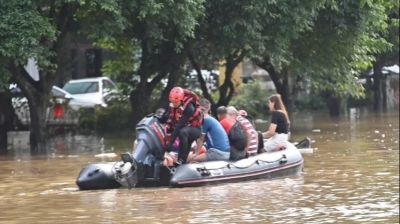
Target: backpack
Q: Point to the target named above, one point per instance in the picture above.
(237, 136)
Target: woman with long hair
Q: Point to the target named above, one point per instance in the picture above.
(278, 131)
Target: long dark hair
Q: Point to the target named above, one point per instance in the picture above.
(278, 105)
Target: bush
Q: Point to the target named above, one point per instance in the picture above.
(115, 117)
(253, 99)
(87, 119)
(311, 102)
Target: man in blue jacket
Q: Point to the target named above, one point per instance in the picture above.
(217, 142)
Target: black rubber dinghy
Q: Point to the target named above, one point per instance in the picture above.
(143, 167)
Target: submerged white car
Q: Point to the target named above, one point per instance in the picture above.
(65, 115)
(90, 92)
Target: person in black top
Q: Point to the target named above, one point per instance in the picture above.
(277, 133)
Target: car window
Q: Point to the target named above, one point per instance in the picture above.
(107, 85)
(57, 93)
(82, 87)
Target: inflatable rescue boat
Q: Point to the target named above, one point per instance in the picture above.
(144, 166)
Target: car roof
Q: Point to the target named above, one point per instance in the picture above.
(96, 79)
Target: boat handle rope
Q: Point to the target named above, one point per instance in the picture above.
(281, 160)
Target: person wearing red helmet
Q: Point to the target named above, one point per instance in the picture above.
(184, 121)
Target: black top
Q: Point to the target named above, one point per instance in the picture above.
(279, 119)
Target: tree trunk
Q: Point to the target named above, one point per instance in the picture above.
(336, 105)
(171, 64)
(37, 128)
(140, 101)
(173, 78)
(377, 87)
(227, 89)
(202, 82)
(37, 93)
(6, 120)
(281, 82)
(227, 86)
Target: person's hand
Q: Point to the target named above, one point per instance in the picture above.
(191, 156)
(169, 159)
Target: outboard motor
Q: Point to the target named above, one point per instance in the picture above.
(134, 169)
(97, 176)
(149, 151)
(126, 171)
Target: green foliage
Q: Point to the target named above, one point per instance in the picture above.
(327, 42)
(24, 33)
(163, 21)
(99, 18)
(253, 99)
(125, 62)
(253, 29)
(115, 117)
(87, 119)
(391, 33)
(153, 31)
(311, 102)
(340, 46)
(4, 79)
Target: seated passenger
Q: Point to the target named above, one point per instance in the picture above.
(236, 135)
(217, 143)
(252, 135)
(244, 114)
(278, 130)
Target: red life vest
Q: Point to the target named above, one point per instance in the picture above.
(176, 113)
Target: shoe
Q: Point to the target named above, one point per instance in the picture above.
(178, 163)
(126, 157)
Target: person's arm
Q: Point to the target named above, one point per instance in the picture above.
(199, 143)
(270, 132)
(187, 113)
(246, 130)
(272, 127)
(164, 117)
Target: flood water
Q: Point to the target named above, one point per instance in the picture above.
(352, 177)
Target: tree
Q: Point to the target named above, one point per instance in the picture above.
(231, 31)
(26, 34)
(387, 57)
(41, 30)
(334, 50)
(155, 34)
(281, 31)
(6, 112)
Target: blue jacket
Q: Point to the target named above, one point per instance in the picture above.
(216, 136)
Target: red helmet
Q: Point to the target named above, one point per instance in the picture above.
(176, 95)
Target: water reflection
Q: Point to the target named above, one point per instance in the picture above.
(353, 177)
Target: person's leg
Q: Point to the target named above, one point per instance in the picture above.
(215, 154)
(270, 145)
(199, 158)
(260, 142)
(275, 142)
(186, 136)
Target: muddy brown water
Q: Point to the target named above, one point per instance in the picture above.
(352, 177)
